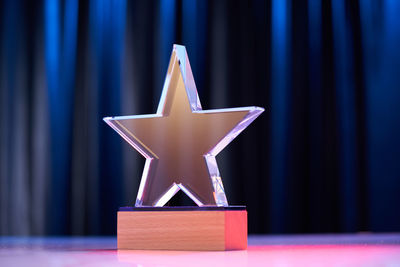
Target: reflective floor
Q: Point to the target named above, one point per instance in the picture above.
(290, 250)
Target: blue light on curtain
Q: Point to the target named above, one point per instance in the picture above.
(316, 97)
(194, 16)
(14, 185)
(167, 32)
(190, 14)
(280, 39)
(381, 37)
(346, 109)
(60, 47)
(106, 30)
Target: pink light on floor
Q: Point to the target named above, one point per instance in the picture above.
(272, 255)
(325, 255)
(288, 250)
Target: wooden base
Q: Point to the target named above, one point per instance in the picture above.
(182, 228)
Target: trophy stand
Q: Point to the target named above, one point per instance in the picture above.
(182, 228)
(180, 143)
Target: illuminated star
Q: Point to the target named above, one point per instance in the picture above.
(181, 140)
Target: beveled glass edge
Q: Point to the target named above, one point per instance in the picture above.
(144, 116)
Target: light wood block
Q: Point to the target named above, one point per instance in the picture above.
(222, 229)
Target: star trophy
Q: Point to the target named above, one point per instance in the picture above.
(180, 143)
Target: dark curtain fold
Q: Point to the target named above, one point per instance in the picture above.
(322, 158)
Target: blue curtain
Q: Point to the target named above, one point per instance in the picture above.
(322, 158)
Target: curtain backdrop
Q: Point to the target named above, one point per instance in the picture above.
(323, 157)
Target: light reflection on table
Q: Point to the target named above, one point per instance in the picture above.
(297, 250)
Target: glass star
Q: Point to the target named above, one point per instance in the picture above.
(181, 140)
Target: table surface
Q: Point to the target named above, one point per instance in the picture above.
(267, 250)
